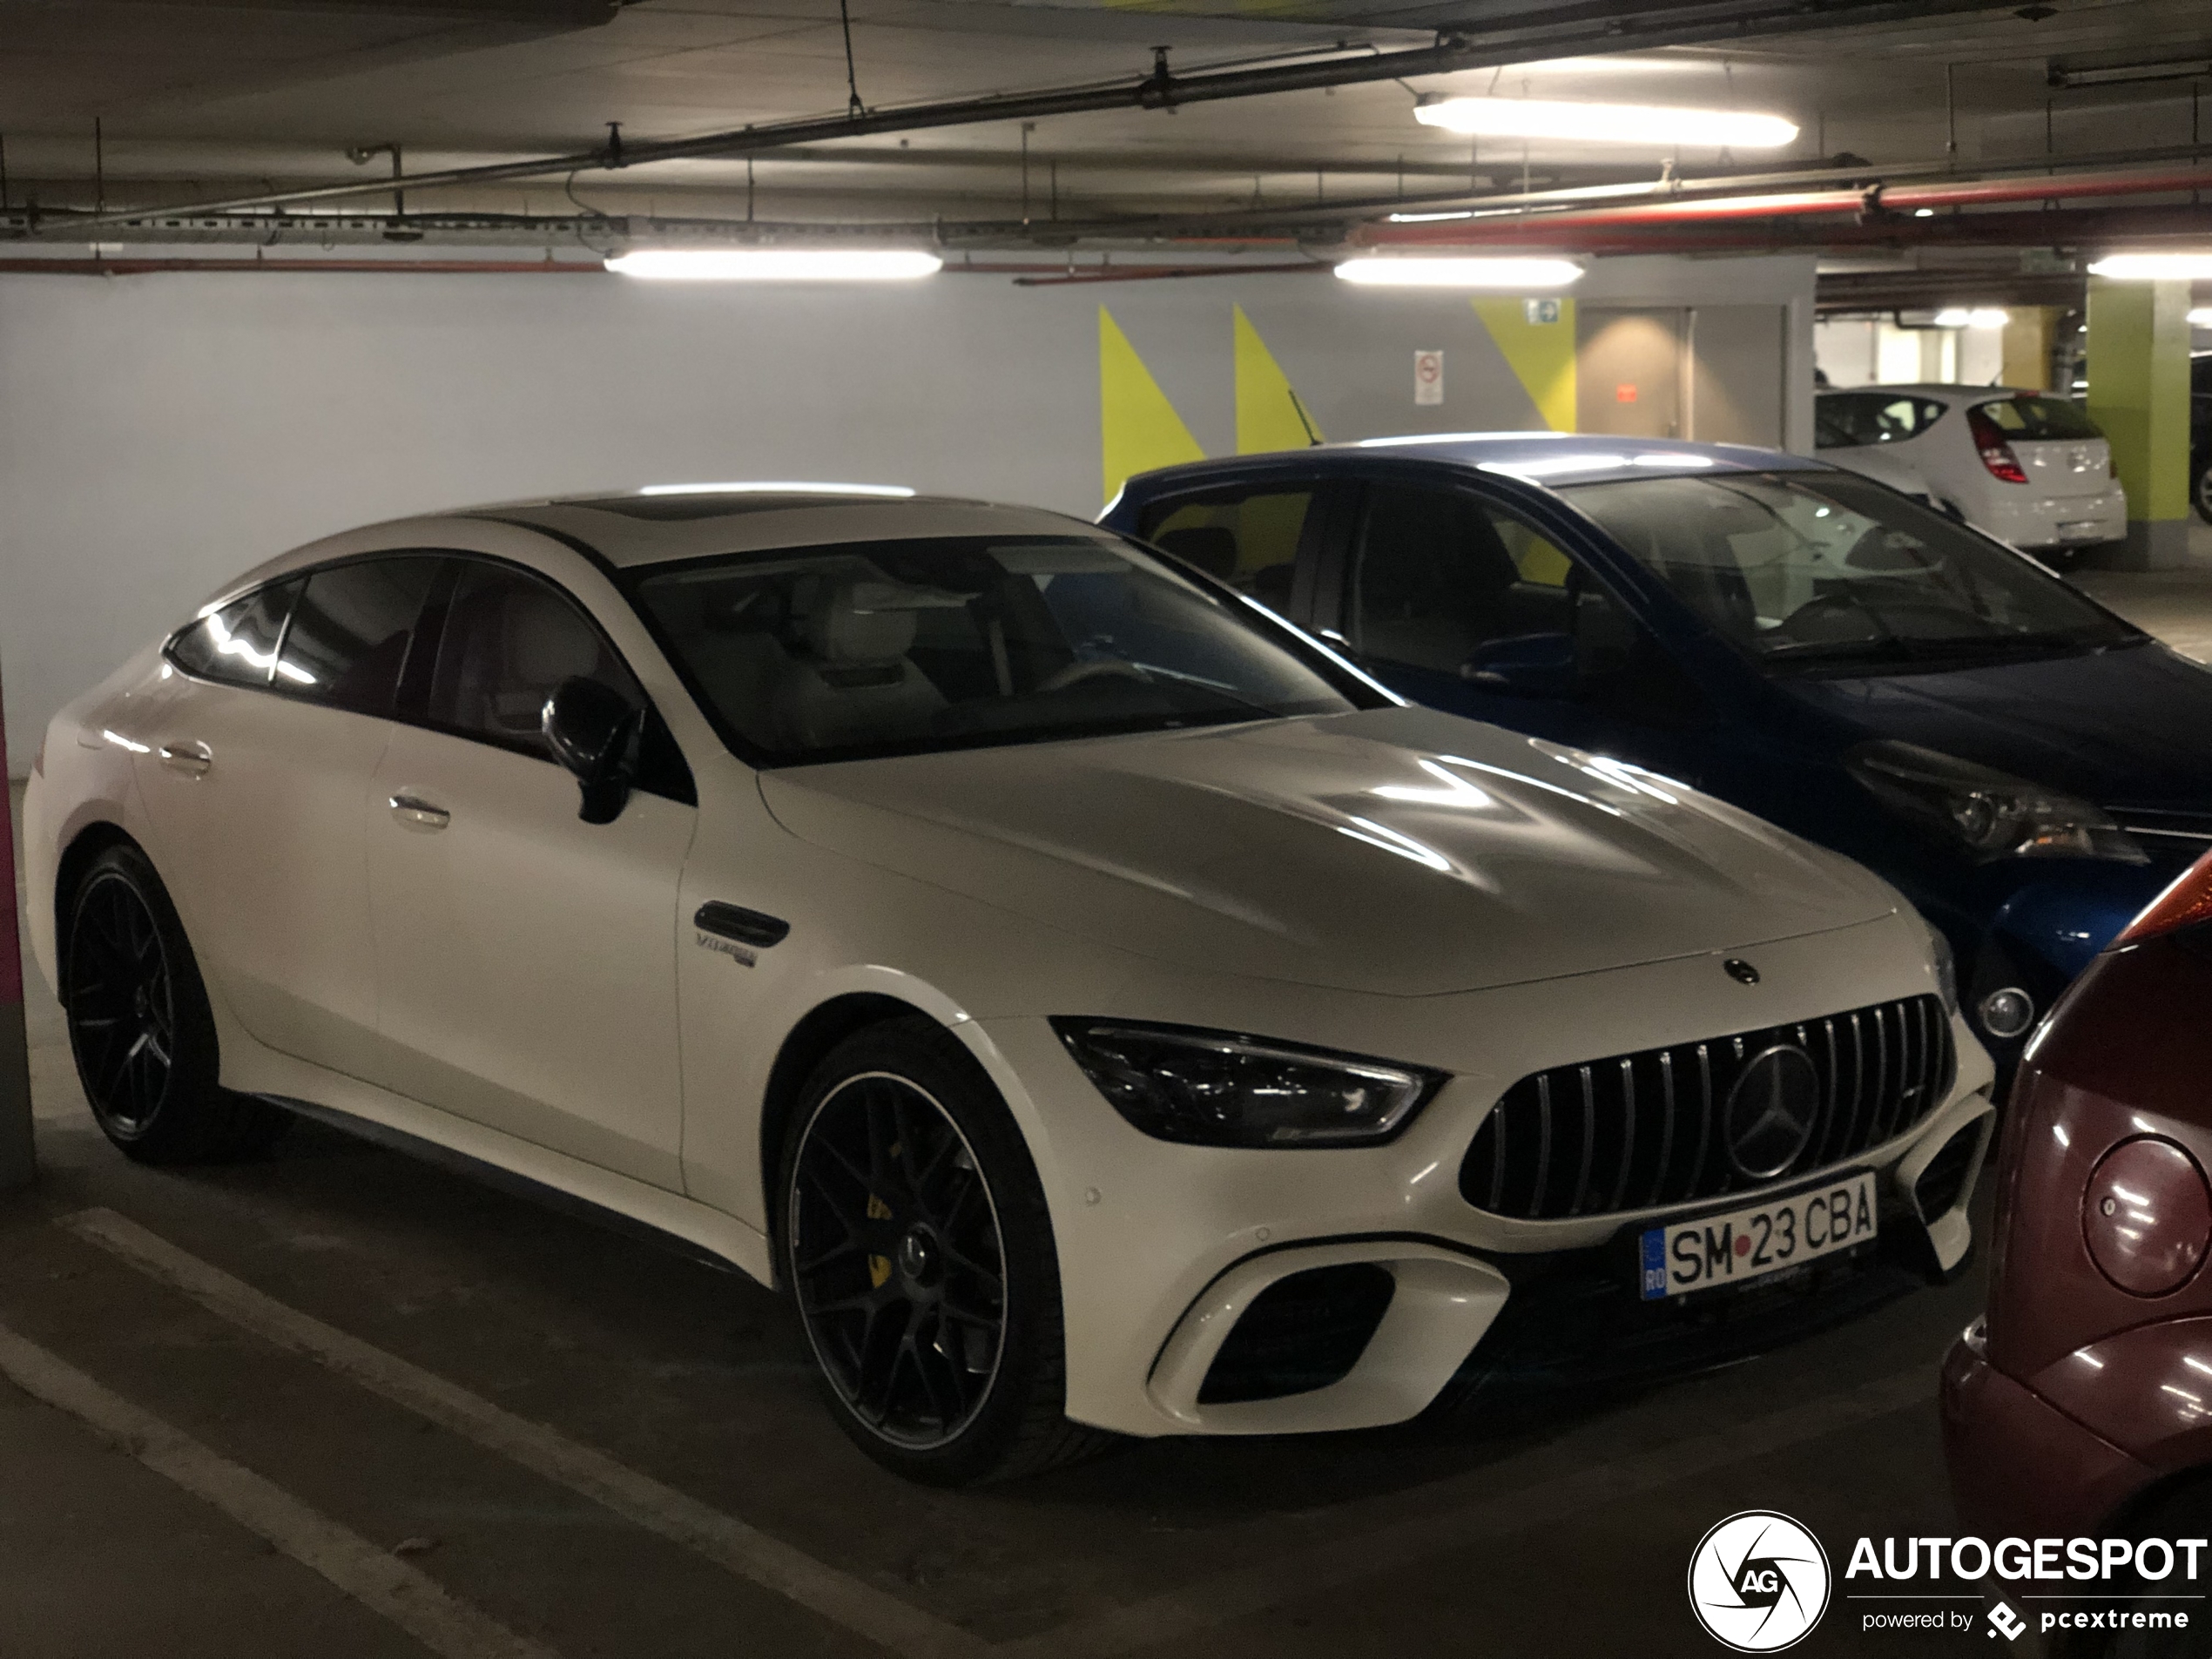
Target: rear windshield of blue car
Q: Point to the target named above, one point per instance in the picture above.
(1827, 572)
(881, 648)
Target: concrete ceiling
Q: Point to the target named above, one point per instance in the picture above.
(196, 99)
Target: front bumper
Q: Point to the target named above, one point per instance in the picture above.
(1164, 1248)
(2018, 1465)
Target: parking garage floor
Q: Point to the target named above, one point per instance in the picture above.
(336, 1403)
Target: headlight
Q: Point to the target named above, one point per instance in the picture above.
(1215, 1088)
(1946, 966)
(1990, 815)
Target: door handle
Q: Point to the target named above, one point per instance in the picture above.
(418, 813)
(191, 759)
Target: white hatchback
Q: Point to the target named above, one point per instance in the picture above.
(2030, 469)
(1100, 1007)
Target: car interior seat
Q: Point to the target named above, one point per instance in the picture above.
(854, 683)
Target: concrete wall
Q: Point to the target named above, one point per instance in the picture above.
(160, 433)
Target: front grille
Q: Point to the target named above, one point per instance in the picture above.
(1635, 1131)
(2164, 833)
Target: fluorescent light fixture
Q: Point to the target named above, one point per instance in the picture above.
(777, 264)
(1413, 271)
(752, 488)
(1429, 219)
(2201, 316)
(1924, 212)
(1974, 317)
(2154, 267)
(1534, 117)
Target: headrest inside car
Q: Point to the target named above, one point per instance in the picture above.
(859, 622)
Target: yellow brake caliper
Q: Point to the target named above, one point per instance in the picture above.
(879, 1266)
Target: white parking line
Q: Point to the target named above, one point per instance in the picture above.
(1357, 1555)
(379, 1581)
(744, 1550)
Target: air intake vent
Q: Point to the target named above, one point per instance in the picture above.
(1635, 1131)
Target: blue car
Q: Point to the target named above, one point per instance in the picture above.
(1808, 644)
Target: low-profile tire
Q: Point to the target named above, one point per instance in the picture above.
(139, 1026)
(2201, 493)
(914, 1239)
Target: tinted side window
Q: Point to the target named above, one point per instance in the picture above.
(509, 640)
(1849, 419)
(1440, 573)
(238, 644)
(351, 631)
(1249, 541)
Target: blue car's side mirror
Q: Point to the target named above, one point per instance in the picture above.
(1525, 665)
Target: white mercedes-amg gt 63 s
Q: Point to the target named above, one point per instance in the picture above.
(1098, 1005)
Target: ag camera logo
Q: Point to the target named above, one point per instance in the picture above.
(1758, 1582)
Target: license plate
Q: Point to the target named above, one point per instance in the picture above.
(1743, 1245)
(2082, 530)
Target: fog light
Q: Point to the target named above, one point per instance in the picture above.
(2008, 1013)
(2147, 1217)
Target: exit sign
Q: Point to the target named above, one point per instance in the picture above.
(1540, 310)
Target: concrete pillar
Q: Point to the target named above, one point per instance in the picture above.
(2027, 348)
(2139, 393)
(15, 1164)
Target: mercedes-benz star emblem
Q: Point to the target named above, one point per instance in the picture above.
(1771, 1111)
(1741, 971)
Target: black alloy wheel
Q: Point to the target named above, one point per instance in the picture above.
(914, 1237)
(898, 1261)
(122, 1005)
(141, 1027)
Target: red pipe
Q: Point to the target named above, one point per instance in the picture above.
(1872, 202)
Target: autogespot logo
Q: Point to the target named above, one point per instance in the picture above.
(1758, 1582)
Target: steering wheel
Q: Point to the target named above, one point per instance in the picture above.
(1807, 621)
(1074, 673)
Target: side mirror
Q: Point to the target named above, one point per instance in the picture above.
(590, 726)
(1525, 665)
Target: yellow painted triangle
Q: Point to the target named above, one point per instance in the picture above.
(1541, 354)
(1139, 428)
(1269, 414)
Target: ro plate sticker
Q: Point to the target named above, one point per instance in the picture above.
(1655, 1261)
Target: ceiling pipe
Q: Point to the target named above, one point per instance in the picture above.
(1593, 26)
(1877, 200)
(2062, 227)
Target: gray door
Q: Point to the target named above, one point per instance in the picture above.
(1735, 390)
(1627, 371)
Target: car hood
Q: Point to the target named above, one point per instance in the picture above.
(2126, 727)
(1399, 851)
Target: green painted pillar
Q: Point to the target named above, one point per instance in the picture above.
(2139, 393)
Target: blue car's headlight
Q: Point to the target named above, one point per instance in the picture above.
(1986, 814)
(1217, 1088)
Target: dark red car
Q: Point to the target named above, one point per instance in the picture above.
(2081, 1404)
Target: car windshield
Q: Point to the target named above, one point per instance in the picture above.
(1826, 571)
(904, 647)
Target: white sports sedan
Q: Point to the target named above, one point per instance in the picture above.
(1098, 1005)
(2033, 470)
